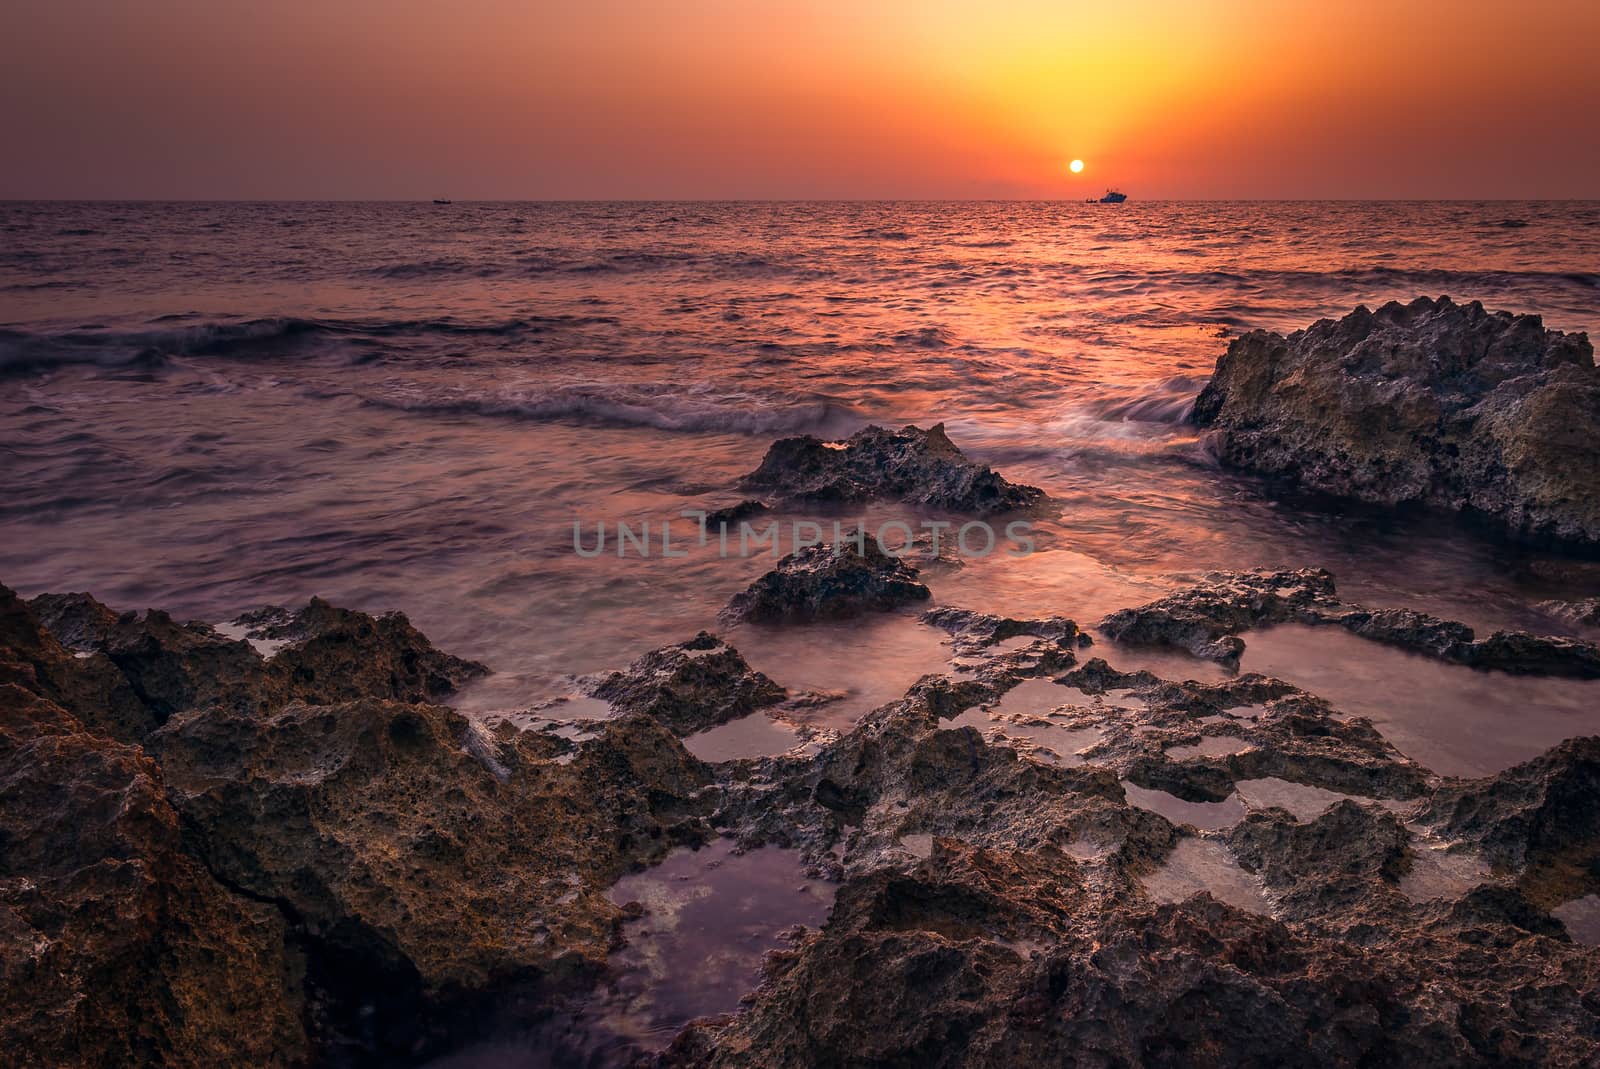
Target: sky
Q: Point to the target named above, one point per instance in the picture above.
(719, 99)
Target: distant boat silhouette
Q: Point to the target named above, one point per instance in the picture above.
(437, 201)
(1113, 197)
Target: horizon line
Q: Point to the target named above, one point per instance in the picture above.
(797, 200)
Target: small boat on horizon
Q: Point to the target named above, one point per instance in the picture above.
(1113, 197)
(436, 200)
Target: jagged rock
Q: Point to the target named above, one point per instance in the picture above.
(975, 634)
(116, 947)
(1194, 984)
(432, 868)
(1205, 618)
(376, 880)
(91, 688)
(921, 467)
(329, 654)
(828, 582)
(1346, 857)
(730, 515)
(1538, 818)
(979, 630)
(1517, 652)
(1586, 611)
(1430, 403)
(691, 686)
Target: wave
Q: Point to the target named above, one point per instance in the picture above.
(667, 407)
(1169, 401)
(24, 351)
(437, 269)
(1420, 280)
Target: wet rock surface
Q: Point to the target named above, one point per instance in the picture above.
(322, 653)
(921, 467)
(828, 582)
(1585, 611)
(117, 947)
(1430, 403)
(380, 880)
(689, 687)
(1207, 618)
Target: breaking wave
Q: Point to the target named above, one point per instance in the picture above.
(24, 351)
(661, 406)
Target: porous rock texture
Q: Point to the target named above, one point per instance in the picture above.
(916, 466)
(689, 687)
(379, 880)
(117, 947)
(1206, 618)
(1429, 403)
(831, 581)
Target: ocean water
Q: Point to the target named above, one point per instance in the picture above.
(207, 407)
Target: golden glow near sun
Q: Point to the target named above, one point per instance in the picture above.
(1076, 166)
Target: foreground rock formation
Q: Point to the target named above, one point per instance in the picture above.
(1430, 403)
(828, 582)
(1206, 619)
(920, 467)
(1112, 869)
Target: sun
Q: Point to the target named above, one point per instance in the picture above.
(1076, 166)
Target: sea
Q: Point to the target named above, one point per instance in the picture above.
(207, 407)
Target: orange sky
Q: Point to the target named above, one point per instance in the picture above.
(827, 98)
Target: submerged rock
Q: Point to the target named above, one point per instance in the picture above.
(1205, 618)
(1585, 612)
(691, 686)
(1431, 403)
(828, 582)
(920, 467)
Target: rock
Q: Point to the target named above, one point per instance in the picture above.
(828, 582)
(1523, 654)
(690, 687)
(78, 621)
(979, 630)
(1205, 618)
(974, 636)
(329, 654)
(378, 881)
(1431, 403)
(906, 972)
(90, 688)
(432, 869)
(1407, 629)
(116, 947)
(336, 654)
(1585, 612)
(1516, 652)
(1538, 819)
(730, 515)
(1348, 857)
(876, 464)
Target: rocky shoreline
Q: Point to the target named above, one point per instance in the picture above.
(215, 855)
(274, 843)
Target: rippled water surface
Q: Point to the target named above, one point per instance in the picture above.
(207, 407)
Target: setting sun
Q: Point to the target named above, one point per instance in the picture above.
(1076, 166)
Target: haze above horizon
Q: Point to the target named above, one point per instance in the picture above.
(719, 100)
